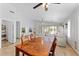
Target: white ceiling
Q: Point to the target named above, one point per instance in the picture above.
(58, 13)
(55, 13)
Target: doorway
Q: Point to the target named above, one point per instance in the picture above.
(17, 31)
(7, 33)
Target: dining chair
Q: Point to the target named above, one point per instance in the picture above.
(22, 40)
(52, 51)
(30, 37)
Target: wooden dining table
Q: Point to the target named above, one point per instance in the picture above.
(39, 46)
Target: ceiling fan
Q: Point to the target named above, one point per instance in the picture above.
(44, 4)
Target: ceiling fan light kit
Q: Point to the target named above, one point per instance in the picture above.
(46, 7)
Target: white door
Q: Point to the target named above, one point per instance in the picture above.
(11, 32)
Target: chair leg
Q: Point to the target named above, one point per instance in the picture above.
(23, 54)
(53, 54)
(50, 54)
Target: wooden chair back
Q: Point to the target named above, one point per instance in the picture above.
(53, 46)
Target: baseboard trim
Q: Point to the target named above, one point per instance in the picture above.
(73, 49)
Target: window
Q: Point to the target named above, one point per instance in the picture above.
(69, 29)
(50, 29)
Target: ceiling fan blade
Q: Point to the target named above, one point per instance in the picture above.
(56, 3)
(37, 5)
